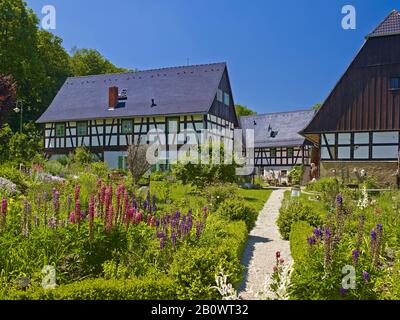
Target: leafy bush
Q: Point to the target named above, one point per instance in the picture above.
(159, 288)
(201, 174)
(299, 232)
(55, 168)
(194, 270)
(293, 210)
(295, 176)
(218, 193)
(329, 187)
(236, 209)
(12, 174)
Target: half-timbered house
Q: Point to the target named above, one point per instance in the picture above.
(106, 113)
(277, 145)
(357, 127)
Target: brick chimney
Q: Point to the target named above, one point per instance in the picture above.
(112, 97)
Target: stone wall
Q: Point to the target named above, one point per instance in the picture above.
(383, 171)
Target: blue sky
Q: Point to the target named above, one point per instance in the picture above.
(281, 55)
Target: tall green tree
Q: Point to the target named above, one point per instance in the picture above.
(55, 62)
(89, 61)
(18, 50)
(244, 111)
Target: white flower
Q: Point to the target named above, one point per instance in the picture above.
(225, 289)
(364, 201)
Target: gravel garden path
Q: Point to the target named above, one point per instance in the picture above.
(264, 241)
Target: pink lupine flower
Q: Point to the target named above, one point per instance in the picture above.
(77, 211)
(126, 206)
(118, 202)
(130, 215)
(3, 212)
(77, 191)
(138, 218)
(91, 216)
(109, 218)
(72, 218)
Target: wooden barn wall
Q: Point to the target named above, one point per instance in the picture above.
(362, 100)
(221, 110)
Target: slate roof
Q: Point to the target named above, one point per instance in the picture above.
(389, 26)
(175, 90)
(287, 125)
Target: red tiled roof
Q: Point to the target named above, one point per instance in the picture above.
(389, 26)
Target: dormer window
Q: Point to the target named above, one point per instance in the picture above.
(395, 83)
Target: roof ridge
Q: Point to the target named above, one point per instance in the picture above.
(377, 33)
(148, 70)
(276, 113)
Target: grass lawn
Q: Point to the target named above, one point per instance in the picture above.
(189, 198)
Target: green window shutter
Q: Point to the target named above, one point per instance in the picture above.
(120, 162)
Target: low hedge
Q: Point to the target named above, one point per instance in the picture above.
(298, 240)
(100, 289)
(236, 209)
(296, 209)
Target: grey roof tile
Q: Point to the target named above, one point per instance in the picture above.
(389, 26)
(176, 90)
(287, 125)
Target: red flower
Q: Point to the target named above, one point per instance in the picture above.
(278, 254)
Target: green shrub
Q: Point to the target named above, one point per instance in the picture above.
(194, 270)
(55, 168)
(293, 210)
(11, 173)
(295, 175)
(328, 187)
(160, 288)
(237, 209)
(298, 239)
(218, 193)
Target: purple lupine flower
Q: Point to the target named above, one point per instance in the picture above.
(318, 233)
(366, 276)
(160, 234)
(343, 292)
(198, 229)
(56, 201)
(311, 240)
(162, 243)
(52, 223)
(173, 239)
(145, 204)
(339, 200)
(379, 227)
(154, 206)
(69, 203)
(328, 233)
(373, 235)
(356, 254)
(177, 214)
